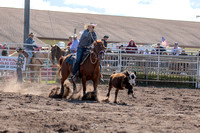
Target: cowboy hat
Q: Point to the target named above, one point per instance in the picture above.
(31, 34)
(91, 24)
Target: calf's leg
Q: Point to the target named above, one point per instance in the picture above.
(116, 93)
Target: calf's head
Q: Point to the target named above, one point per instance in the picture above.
(131, 77)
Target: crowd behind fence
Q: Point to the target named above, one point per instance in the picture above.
(149, 67)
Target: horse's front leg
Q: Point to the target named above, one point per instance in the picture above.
(84, 85)
(95, 84)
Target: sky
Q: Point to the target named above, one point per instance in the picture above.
(185, 10)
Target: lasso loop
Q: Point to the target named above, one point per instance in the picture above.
(94, 58)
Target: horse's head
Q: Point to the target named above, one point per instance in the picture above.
(54, 50)
(99, 48)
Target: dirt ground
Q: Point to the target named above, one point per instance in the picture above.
(27, 108)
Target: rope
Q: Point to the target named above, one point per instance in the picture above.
(94, 58)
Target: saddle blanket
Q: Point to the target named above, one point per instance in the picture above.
(72, 58)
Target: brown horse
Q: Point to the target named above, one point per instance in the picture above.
(56, 53)
(89, 70)
(36, 63)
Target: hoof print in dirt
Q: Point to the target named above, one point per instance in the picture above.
(90, 96)
(55, 92)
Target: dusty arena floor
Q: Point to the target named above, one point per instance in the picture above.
(28, 109)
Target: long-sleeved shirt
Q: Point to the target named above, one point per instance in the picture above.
(87, 39)
(176, 51)
(74, 45)
(20, 61)
(29, 41)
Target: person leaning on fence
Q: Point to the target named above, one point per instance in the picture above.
(176, 50)
(30, 46)
(4, 51)
(105, 38)
(160, 49)
(132, 48)
(87, 39)
(183, 53)
(74, 46)
(19, 63)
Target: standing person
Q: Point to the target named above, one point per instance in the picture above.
(87, 39)
(160, 49)
(29, 46)
(19, 63)
(132, 48)
(4, 51)
(70, 41)
(176, 50)
(105, 38)
(74, 46)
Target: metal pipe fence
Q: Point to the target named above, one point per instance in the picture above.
(149, 67)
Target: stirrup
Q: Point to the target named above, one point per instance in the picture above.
(74, 77)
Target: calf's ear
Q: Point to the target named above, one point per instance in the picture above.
(126, 73)
(135, 72)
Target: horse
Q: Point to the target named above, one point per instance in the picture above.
(89, 70)
(36, 63)
(56, 53)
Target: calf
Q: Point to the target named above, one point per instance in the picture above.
(55, 92)
(121, 81)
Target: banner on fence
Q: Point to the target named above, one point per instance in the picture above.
(8, 63)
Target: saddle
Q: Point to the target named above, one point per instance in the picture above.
(72, 58)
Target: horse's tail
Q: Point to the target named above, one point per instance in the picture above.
(60, 61)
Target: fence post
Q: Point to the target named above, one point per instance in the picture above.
(198, 74)
(119, 60)
(48, 66)
(158, 73)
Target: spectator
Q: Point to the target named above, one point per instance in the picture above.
(153, 51)
(132, 48)
(146, 51)
(141, 51)
(105, 38)
(122, 49)
(73, 47)
(19, 63)
(70, 41)
(4, 50)
(30, 47)
(176, 50)
(183, 52)
(160, 49)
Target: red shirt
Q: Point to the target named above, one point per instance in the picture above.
(70, 43)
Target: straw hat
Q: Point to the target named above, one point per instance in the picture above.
(91, 24)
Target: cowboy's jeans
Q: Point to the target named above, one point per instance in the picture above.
(30, 55)
(19, 75)
(79, 55)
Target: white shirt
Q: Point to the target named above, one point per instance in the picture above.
(176, 51)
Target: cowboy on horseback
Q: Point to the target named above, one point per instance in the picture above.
(87, 39)
(30, 47)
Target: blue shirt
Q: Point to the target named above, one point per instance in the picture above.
(29, 41)
(74, 45)
(87, 39)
